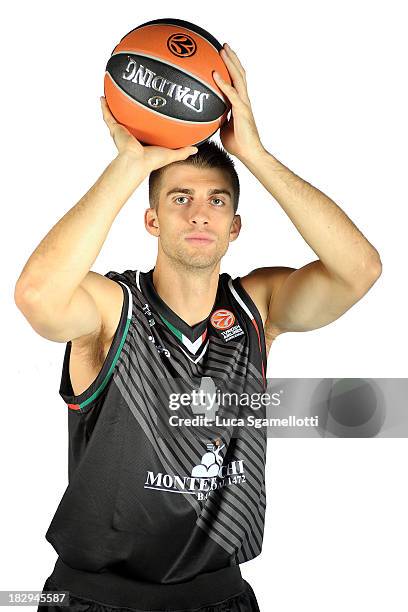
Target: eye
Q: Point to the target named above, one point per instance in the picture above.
(178, 198)
(221, 202)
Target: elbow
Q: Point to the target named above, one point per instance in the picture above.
(374, 267)
(25, 295)
(370, 273)
(377, 268)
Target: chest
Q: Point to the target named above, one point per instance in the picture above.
(86, 362)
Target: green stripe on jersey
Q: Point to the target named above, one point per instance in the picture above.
(106, 379)
(191, 346)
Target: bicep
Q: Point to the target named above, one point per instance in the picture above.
(310, 298)
(262, 284)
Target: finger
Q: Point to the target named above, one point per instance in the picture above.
(106, 111)
(237, 77)
(235, 58)
(185, 152)
(107, 115)
(228, 89)
(231, 58)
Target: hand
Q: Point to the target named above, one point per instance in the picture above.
(151, 157)
(239, 135)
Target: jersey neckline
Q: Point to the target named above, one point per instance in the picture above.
(192, 332)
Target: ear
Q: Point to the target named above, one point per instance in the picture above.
(151, 222)
(235, 228)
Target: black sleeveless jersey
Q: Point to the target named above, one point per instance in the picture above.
(164, 482)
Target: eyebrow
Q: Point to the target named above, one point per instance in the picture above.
(191, 191)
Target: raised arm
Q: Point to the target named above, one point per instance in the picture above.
(56, 291)
(347, 265)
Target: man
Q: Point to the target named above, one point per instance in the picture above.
(151, 520)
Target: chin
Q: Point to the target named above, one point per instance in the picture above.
(196, 259)
(200, 261)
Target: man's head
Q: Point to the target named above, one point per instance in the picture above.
(195, 198)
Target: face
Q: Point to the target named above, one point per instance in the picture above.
(193, 223)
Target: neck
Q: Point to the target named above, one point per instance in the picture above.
(189, 292)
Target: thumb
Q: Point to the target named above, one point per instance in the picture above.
(185, 152)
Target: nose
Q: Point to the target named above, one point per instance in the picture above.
(199, 215)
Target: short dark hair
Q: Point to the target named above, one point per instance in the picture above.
(209, 155)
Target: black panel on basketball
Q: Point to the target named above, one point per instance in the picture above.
(144, 79)
(183, 24)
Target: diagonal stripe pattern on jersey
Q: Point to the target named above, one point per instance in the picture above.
(147, 500)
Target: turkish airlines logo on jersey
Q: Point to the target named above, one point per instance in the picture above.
(222, 319)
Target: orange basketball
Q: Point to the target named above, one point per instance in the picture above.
(159, 84)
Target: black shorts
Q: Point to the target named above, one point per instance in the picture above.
(244, 602)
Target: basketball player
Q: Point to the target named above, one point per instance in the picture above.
(152, 520)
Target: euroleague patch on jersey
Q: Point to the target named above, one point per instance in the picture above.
(223, 321)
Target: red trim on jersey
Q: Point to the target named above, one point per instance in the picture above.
(260, 348)
(74, 406)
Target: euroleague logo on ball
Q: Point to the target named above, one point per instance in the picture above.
(181, 45)
(222, 319)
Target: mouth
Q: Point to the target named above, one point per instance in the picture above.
(199, 239)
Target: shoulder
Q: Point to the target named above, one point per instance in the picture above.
(261, 284)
